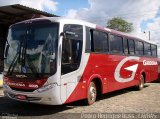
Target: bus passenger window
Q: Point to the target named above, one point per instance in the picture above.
(154, 50)
(125, 45)
(88, 40)
(131, 47)
(139, 48)
(100, 41)
(116, 45)
(71, 48)
(147, 49)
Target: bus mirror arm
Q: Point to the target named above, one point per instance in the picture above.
(62, 34)
(5, 51)
(68, 35)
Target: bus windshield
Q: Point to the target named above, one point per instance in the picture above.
(32, 48)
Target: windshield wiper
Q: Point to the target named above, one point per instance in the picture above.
(15, 59)
(23, 54)
(21, 58)
(19, 54)
(26, 58)
(13, 64)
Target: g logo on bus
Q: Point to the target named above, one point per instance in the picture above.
(132, 68)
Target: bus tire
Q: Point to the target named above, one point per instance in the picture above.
(140, 86)
(91, 94)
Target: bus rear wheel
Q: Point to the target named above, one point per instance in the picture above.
(91, 94)
(140, 86)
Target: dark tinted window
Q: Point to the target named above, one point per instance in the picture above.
(72, 48)
(139, 47)
(147, 49)
(100, 41)
(88, 40)
(116, 44)
(154, 50)
(125, 45)
(131, 46)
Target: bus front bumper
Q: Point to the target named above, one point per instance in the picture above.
(48, 97)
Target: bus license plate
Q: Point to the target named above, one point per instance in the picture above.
(21, 97)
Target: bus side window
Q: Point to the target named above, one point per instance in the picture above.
(147, 49)
(116, 45)
(125, 46)
(154, 50)
(99, 41)
(88, 40)
(139, 48)
(131, 47)
(72, 48)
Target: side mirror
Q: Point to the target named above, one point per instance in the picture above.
(52, 66)
(67, 54)
(6, 50)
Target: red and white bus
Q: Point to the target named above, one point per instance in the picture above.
(57, 60)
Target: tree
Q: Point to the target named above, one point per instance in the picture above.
(120, 24)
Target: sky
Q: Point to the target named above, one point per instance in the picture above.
(144, 14)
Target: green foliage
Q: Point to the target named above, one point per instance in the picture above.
(120, 24)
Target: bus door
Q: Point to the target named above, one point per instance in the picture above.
(71, 57)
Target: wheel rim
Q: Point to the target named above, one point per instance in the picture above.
(141, 82)
(92, 93)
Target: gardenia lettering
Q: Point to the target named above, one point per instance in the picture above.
(149, 62)
(16, 84)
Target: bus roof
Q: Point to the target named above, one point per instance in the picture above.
(92, 25)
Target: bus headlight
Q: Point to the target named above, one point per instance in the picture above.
(46, 87)
(5, 86)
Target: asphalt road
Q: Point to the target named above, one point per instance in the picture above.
(123, 101)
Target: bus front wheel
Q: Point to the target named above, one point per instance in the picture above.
(91, 94)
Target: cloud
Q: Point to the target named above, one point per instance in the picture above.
(134, 11)
(102, 10)
(72, 13)
(37, 4)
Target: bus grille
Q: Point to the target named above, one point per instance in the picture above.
(23, 90)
